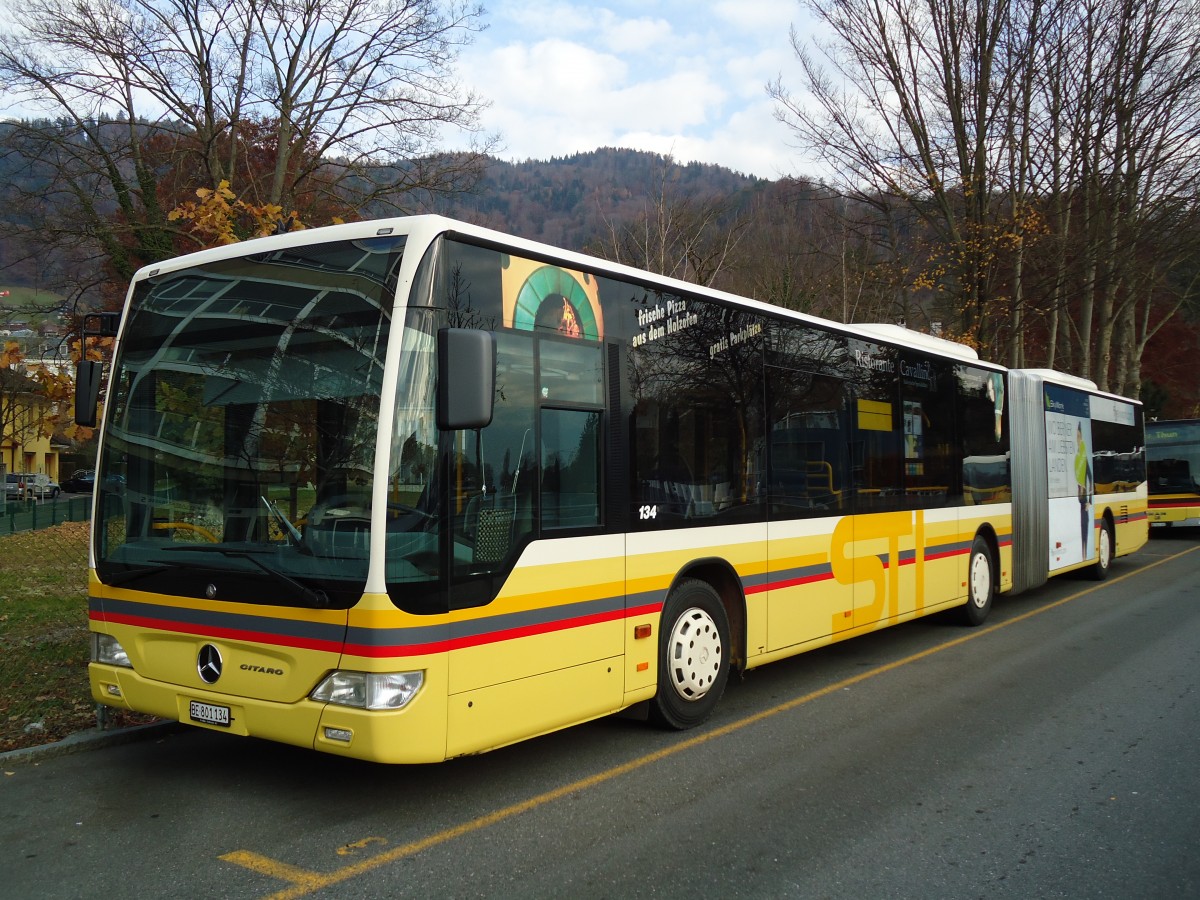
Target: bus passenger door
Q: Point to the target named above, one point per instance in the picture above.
(540, 591)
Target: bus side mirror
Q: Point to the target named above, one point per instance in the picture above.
(466, 378)
(88, 374)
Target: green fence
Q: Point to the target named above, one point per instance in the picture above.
(35, 515)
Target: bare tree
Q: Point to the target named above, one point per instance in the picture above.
(908, 120)
(809, 249)
(681, 236)
(1113, 166)
(1048, 146)
(323, 106)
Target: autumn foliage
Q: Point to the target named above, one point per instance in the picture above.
(39, 400)
(220, 217)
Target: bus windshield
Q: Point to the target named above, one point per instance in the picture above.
(239, 453)
(1173, 457)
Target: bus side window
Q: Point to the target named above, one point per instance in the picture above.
(981, 415)
(807, 443)
(570, 468)
(698, 418)
(570, 376)
(932, 475)
(877, 442)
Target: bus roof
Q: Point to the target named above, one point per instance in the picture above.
(1053, 375)
(425, 228)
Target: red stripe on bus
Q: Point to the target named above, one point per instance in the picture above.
(380, 651)
(789, 582)
(495, 637)
(826, 576)
(232, 634)
(945, 554)
(480, 640)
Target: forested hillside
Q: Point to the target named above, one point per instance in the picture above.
(573, 201)
(791, 243)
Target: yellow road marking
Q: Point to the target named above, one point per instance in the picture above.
(304, 882)
(353, 846)
(266, 866)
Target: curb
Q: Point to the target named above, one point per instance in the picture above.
(92, 739)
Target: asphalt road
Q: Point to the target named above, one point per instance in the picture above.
(1055, 752)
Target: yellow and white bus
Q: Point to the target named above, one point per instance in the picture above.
(410, 489)
(1172, 464)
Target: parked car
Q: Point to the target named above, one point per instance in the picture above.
(81, 482)
(46, 487)
(18, 485)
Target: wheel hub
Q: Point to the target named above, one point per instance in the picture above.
(981, 576)
(694, 654)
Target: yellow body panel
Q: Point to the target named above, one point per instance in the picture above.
(871, 571)
(1168, 509)
(568, 634)
(1132, 526)
(807, 603)
(562, 643)
(504, 713)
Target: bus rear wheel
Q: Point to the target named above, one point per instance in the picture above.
(1104, 552)
(693, 656)
(981, 583)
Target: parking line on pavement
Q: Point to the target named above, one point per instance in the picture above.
(304, 878)
(304, 881)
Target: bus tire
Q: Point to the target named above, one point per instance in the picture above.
(1104, 552)
(981, 583)
(693, 656)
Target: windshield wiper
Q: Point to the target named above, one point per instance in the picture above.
(126, 577)
(317, 599)
(284, 522)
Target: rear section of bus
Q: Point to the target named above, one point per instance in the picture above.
(1079, 483)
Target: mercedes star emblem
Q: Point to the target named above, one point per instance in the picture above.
(208, 664)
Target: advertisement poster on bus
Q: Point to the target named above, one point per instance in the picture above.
(1071, 480)
(550, 298)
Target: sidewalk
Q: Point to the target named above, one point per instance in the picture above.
(92, 739)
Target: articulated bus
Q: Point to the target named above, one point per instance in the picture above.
(411, 489)
(1172, 464)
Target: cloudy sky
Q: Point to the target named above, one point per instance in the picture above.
(679, 77)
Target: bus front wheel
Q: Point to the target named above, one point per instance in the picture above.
(981, 583)
(693, 656)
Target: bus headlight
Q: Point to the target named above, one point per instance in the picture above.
(107, 649)
(369, 690)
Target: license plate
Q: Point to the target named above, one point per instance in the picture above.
(208, 714)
